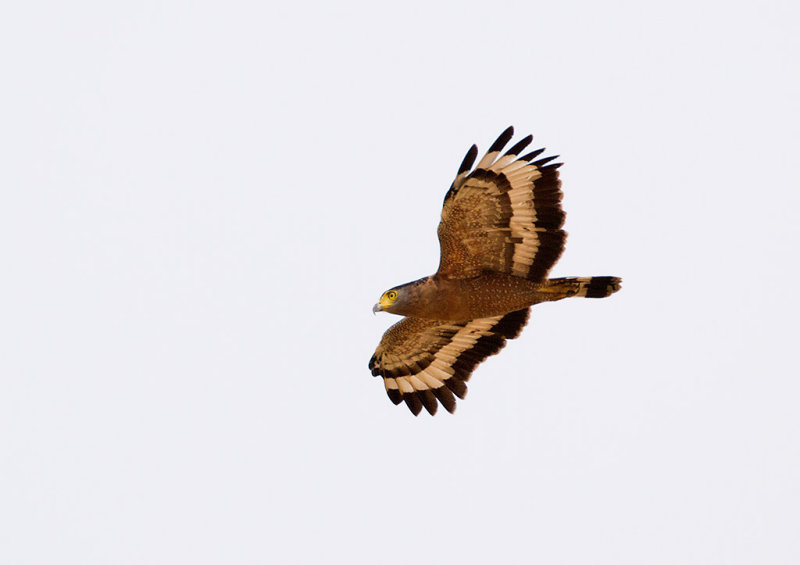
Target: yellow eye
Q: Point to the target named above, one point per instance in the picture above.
(392, 295)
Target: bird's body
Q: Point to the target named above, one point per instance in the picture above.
(488, 294)
(500, 234)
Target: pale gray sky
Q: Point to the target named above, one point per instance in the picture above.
(202, 201)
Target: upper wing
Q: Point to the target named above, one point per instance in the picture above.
(422, 361)
(504, 216)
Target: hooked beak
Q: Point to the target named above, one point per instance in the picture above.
(376, 308)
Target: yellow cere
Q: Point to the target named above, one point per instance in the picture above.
(388, 298)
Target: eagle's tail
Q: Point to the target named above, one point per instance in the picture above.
(589, 287)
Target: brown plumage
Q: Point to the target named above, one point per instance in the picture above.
(500, 235)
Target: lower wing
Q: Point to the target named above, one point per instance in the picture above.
(425, 361)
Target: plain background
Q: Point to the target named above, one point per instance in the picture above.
(201, 202)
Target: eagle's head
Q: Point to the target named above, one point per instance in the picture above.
(403, 299)
(389, 300)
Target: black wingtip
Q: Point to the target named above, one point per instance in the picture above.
(501, 141)
(428, 401)
(469, 159)
(457, 386)
(395, 396)
(541, 162)
(520, 145)
(413, 402)
(445, 396)
(532, 154)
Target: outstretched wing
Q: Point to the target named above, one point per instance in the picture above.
(422, 361)
(504, 216)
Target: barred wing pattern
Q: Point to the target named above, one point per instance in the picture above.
(425, 361)
(505, 216)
